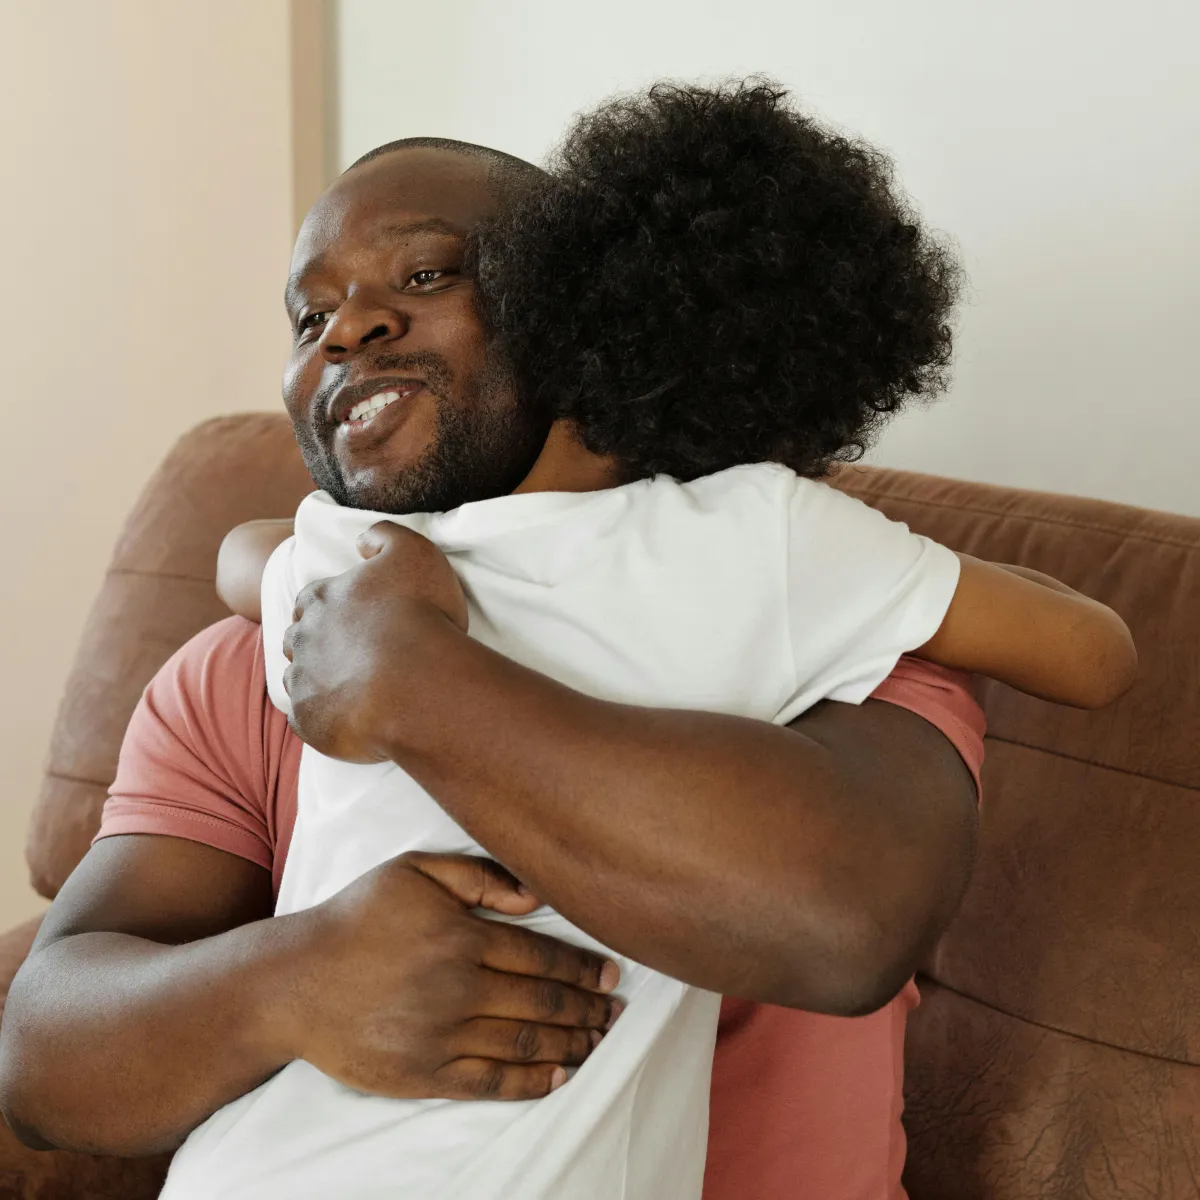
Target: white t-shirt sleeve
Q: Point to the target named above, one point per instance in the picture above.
(862, 591)
(279, 591)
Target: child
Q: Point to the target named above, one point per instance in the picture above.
(716, 299)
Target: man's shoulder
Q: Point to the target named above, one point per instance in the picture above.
(206, 756)
(233, 644)
(213, 692)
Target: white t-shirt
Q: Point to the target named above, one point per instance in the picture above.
(751, 592)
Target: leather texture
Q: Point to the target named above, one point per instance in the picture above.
(1056, 1051)
(157, 593)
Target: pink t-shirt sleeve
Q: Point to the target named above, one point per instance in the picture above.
(206, 757)
(944, 698)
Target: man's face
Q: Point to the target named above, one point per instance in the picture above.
(396, 402)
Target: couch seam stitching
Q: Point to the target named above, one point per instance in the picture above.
(1087, 762)
(1066, 523)
(1079, 1037)
(160, 575)
(50, 774)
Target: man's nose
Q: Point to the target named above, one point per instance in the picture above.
(358, 323)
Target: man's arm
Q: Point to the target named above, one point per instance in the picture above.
(810, 866)
(157, 991)
(106, 998)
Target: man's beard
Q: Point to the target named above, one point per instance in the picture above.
(482, 447)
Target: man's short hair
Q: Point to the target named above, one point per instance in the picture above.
(503, 169)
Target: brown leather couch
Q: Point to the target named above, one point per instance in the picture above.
(1056, 1052)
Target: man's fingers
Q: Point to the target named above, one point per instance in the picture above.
(486, 1079)
(519, 951)
(547, 1002)
(308, 595)
(385, 537)
(380, 538)
(525, 1042)
(475, 881)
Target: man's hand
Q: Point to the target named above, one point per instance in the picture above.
(388, 610)
(443, 1003)
(830, 855)
(159, 962)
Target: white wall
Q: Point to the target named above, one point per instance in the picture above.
(1058, 141)
(145, 229)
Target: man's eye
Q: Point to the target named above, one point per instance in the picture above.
(425, 278)
(313, 321)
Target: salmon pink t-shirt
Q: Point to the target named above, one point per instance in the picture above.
(803, 1107)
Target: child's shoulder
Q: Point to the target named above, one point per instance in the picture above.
(765, 500)
(769, 480)
(776, 484)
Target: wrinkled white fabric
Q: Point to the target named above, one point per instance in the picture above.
(750, 592)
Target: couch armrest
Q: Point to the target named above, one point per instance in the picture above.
(14, 946)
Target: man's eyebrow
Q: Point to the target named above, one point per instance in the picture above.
(291, 292)
(429, 225)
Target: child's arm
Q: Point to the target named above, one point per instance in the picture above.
(1035, 634)
(241, 562)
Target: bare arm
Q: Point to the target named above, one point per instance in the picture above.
(810, 866)
(1035, 634)
(109, 995)
(241, 562)
(157, 992)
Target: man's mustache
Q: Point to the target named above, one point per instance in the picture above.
(427, 365)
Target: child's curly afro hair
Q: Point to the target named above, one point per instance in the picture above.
(707, 277)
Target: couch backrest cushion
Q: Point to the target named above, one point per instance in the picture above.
(1055, 1054)
(157, 593)
(1061, 1005)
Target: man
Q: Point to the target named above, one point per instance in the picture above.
(808, 867)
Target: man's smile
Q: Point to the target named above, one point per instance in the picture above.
(360, 403)
(399, 401)
(367, 414)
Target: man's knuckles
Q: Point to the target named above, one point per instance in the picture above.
(482, 1079)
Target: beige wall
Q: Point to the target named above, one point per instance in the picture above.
(145, 224)
(1056, 140)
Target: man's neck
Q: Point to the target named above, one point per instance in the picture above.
(565, 465)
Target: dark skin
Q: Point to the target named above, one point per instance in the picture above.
(160, 956)
(826, 857)
(620, 816)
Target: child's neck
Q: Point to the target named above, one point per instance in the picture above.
(564, 465)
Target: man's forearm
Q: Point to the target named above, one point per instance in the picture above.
(132, 1043)
(784, 865)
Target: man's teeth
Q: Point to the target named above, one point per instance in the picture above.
(364, 410)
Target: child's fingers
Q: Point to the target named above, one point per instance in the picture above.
(487, 1079)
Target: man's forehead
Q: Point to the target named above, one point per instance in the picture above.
(406, 190)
